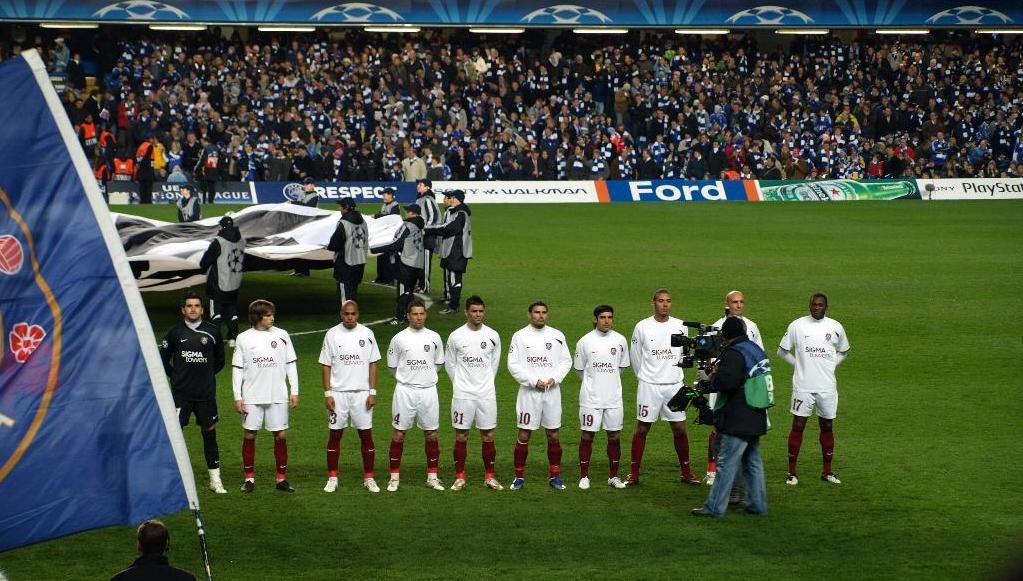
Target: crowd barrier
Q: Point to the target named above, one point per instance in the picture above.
(604, 192)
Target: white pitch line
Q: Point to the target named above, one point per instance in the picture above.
(425, 298)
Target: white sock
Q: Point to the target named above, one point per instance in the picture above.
(214, 473)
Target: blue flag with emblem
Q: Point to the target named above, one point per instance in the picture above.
(88, 435)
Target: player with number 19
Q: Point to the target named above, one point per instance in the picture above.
(600, 355)
(472, 358)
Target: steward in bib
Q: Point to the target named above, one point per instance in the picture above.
(224, 262)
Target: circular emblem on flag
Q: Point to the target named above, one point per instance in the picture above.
(203, 340)
(24, 340)
(426, 348)
(11, 255)
(548, 346)
(483, 344)
(293, 192)
(273, 344)
(362, 342)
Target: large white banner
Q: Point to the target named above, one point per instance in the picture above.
(971, 189)
(568, 192)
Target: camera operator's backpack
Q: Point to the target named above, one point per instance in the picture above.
(759, 386)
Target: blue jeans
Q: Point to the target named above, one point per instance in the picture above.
(732, 451)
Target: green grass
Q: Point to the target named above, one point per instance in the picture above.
(928, 434)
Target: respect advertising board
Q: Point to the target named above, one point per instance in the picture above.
(119, 192)
(363, 192)
(678, 190)
(972, 189)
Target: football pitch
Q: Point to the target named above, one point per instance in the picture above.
(928, 434)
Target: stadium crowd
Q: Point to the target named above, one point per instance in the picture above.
(448, 105)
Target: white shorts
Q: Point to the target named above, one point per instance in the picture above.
(272, 416)
(592, 419)
(537, 408)
(465, 411)
(652, 402)
(350, 409)
(825, 402)
(421, 405)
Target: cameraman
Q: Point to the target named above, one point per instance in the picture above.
(739, 426)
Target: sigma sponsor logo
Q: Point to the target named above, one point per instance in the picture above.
(664, 353)
(817, 352)
(193, 356)
(264, 361)
(349, 358)
(417, 364)
(539, 361)
(474, 361)
(603, 367)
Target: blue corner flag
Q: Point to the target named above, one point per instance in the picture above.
(88, 433)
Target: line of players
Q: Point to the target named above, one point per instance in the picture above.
(265, 385)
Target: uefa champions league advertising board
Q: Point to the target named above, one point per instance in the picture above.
(541, 13)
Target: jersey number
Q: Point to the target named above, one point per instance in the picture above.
(524, 418)
(459, 417)
(644, 411)
(587, 420)
(397, 418)
(796, 404)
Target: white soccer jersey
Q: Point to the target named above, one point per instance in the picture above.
(752, 331)
(653, 358)
(814, 344)
(536, 354)
(349, 352)
(600, 357)
(415, 355)
(263, 357)
(471, 360)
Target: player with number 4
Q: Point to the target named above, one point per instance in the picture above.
(539, 360)
(600, 357)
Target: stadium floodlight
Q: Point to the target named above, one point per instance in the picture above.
(180, 27)
(810, 31)
(1000, 31)
(286, 28)
(400, 28)
(68, 25)
(703, 31)
(600, 30)
(496, 30)
(902, 31)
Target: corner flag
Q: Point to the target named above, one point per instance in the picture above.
(88, 433)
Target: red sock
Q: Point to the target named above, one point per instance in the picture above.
(585, 451)
(682, 451)
(795, 442)
(333, 452)
(827, 447)
(432, 456)
(281, 457)
(396, 449)
(554, 458)
(521, 452)
(489, 459)
(614, 456)
(249, 457)
(369, 453)
(638, 445)
(460, 452)
(712, 453)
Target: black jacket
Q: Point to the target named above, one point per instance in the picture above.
(735, 418)
(152, 568)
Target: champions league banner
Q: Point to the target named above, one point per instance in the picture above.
(88, 434)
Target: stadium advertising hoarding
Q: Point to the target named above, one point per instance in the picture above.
(169, 192)
(736, 13)
(363, 192)
(566, 192)
(973, 189)
(679, 191)
(840, 190)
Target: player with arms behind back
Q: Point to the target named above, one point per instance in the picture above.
(539, 360)
(815, 345)
(264, 358)
(471, 360)
(600, 356)
(349, 361)
(655, 362)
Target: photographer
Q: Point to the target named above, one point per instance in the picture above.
(739, 425)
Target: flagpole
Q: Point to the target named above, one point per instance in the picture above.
(201, 529)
